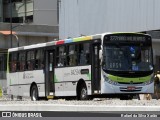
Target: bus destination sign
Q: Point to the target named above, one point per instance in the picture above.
(125, 38)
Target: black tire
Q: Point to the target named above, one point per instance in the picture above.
(34, 93)
(83, 95)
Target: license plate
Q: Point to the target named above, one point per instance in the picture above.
(131, 88)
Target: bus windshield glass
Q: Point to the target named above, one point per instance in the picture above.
(127, 58)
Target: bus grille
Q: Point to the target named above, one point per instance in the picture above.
(125, 89)
(129, 83)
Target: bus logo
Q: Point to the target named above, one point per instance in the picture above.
(6, 114)
(131, 82)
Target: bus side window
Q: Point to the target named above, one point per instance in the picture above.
(80, 55)
(67, 55)
(10, 62)
(57, 56)
(61, 56)
(13, 62)
(72, 55)
(87, 53)
(84, 54)
(22, 58)
(39, 59)
(30, 60)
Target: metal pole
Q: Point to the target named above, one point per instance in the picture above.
(16, 35)
(17, 40)
(1, 11)
(25, 11)
(11, 21)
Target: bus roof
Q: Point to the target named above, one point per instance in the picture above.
(69, 40)
(59, 42)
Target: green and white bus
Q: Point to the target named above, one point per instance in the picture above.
(102, 64)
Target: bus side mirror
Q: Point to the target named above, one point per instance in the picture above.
(100, 56)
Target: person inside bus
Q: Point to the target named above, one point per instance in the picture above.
(135, 58)
(72, 56)
(60, 63)
(136, 54)
(82, 58)
(14, 66)
(42, 65)
(71, 60)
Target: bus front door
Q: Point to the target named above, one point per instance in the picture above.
(95, 69)
(50, 87)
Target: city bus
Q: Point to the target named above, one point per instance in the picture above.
(82, 67)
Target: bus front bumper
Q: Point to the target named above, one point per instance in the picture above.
(127, 88)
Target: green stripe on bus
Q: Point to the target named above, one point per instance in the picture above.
(82, 38)
(122, 79)
(89, 76)
(55, 79)
(0, 90)
(8, 62)
(10, 82)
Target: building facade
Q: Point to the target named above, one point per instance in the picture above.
(30, 11)
(33, 21)
(97, 16)
(87, 17)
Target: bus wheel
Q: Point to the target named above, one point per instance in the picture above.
(83, 92)
(34, 93)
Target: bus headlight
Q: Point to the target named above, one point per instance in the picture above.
(148, 82)
(106, 79)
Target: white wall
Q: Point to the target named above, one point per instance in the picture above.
(98, 16)
(156, 50)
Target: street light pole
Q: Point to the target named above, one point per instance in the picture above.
(16, 35)
(12, 27)
(17, 40)
(11, 21)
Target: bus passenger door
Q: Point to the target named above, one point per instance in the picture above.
(50, 63)
(96, 71)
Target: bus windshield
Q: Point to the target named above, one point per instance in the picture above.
(127, 58)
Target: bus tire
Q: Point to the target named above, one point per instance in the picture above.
(83, 95)
(34, 93)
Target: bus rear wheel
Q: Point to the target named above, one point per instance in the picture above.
(83, 95)
(34, 93)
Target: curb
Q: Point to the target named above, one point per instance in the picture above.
(56, 107)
